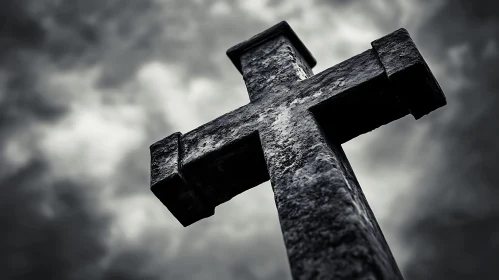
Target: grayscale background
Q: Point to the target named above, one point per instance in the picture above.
(87, 85)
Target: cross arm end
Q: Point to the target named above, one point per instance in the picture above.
(170, 187)
(407, 70)
(282, 28)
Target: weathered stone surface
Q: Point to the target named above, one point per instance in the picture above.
(168, 184)
(282, 28)
(219, 133)
(328, 229)
(272, 68)
(291, 132)
(224, 157)
(351, 98)
(409, 73)
(229, 170)
(164, 158)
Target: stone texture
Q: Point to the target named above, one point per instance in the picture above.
(168, 184)
(409, 73)
(291, 132)
(282, 28)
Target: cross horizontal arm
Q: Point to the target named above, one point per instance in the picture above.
(353, 97)
(224, 157)
(373, 88)
(216, 162)
(220, 132)
(338, 79)
(170, 186)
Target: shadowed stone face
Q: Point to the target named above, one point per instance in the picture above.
(291, 132)
(272, 68)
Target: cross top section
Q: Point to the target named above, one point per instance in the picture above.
(282, 28)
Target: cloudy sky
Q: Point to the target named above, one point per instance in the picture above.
(87, 85)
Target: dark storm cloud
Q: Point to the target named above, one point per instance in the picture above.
(120, 36)
(19, 28)
(387, 14)
(455, 232)
(20, 32)
(72, 34)
(51, 228)
(37, 38)
(55, 228)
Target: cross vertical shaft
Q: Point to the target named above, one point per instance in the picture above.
(272, 67)
(328, 228)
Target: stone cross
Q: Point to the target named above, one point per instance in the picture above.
(291, 133)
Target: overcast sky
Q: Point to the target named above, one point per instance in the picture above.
(87, 85)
